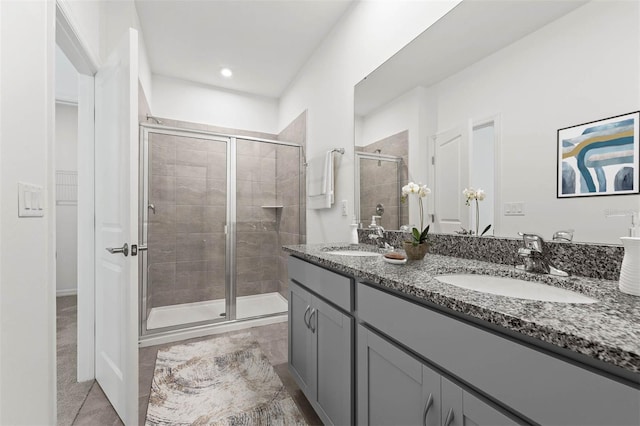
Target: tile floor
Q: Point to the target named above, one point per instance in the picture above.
(95, 409)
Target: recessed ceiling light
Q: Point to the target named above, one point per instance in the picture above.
(226, 72)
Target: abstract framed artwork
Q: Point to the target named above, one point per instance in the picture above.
(599, 158)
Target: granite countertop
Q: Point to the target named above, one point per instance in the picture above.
(608, 331)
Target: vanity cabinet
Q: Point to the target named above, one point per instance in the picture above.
(395, 388)
(527, 382)
(321, 339)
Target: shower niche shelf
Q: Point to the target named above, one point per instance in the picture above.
(272, 207)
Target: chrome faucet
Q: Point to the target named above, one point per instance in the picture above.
(565, 235)
(378, 237)
(535, 258)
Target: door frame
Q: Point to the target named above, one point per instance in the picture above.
(70, 40)
(433, 208)
(496, 120)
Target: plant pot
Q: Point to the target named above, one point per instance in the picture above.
(415, 252)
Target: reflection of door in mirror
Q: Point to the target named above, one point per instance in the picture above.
(381, 169)
(450, 175)
(482, 173)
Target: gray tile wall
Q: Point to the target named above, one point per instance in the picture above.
(256, 249)
(291, 194)
(186, 235)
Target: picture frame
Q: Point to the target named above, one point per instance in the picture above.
(599, 157)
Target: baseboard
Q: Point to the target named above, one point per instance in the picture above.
(66, 292)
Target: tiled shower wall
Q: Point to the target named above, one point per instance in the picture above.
(256, 248)
(186, 235)
(292, 225)
(379, 182)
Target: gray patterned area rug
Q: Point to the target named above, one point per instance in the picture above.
(222, 381)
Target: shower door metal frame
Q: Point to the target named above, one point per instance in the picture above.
(145, 130)
(231, 223)
(360, 155)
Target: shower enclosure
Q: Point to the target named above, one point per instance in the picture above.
(379, 180)
(214, 210)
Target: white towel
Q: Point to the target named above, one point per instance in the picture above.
(327, 177)
(321, 182)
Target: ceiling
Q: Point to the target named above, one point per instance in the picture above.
(264, 42)
(469, 34)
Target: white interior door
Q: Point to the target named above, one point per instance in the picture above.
(116, 221)
(451, 170)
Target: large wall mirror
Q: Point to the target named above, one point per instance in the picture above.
(477, 100)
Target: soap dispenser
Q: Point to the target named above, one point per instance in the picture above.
(630, 270)
(354, 231)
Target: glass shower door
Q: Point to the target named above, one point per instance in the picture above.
(185, 225)
(268, 216)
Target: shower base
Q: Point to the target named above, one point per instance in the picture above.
(256, 305)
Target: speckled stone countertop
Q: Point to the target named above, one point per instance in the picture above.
(608, 331)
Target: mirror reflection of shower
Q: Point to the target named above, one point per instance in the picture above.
(380, 177)
(379, 151)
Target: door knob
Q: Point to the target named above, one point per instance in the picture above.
(124, 250)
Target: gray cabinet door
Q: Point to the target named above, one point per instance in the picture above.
(332, 357)
(477, 412)
(300, 338)
(393, 387)
(460, 408)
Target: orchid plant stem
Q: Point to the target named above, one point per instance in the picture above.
(421, 214)
(477, 216)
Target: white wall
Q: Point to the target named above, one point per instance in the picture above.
(27, 300)
(66, 78)
(363, 39)
(188, 101)
(580, 68)
(66, 143)
(101, 24)
(119, 16)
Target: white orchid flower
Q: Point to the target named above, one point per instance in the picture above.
(424, 191)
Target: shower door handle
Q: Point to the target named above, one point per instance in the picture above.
(115, 250)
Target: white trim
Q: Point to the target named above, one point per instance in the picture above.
(86, 230)
(66, 292)
(66, 101)
(496, 120)
(51, 196)
(71, 41)
(211, 330)
(1, 13)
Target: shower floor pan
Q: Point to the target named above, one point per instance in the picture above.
(246, 307)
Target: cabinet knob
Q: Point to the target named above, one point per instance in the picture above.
(426, 409)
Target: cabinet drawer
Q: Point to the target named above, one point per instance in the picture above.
(335, 288)
(543, 388)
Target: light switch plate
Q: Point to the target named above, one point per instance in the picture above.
(514, 208)
(30, 200)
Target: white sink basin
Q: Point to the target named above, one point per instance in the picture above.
(512, 287)
(359, 253)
